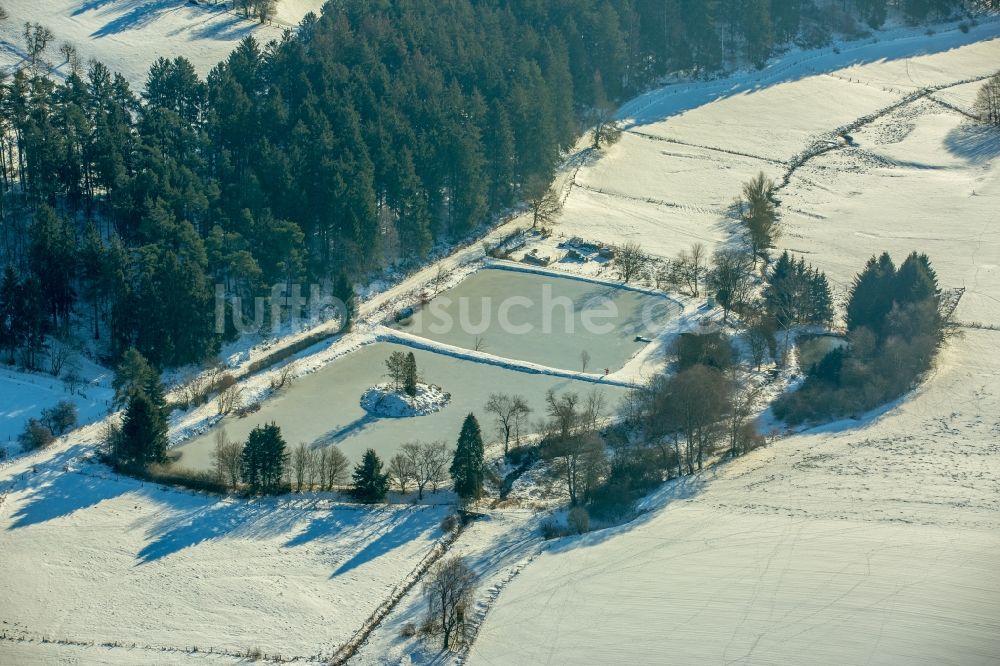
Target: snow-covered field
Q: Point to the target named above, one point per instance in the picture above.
(89, 557)
(863, 542)
(128, 35)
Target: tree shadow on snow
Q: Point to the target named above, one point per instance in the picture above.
(56, 493)
(208, 521)
(340, 434)
(977, 144)
(404, 527)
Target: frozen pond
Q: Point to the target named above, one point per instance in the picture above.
(544, 319)
(323, 408)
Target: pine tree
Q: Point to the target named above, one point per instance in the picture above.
(10, 324)
(343, 292)
(133, 375)
(370, 483)
(872, 294)
(143, 438)
(467, 470)
(410, 375)
(915, 281)
(263, 461)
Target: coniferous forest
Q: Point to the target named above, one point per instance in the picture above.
(362, 139)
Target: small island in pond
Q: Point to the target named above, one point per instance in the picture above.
(404, 395)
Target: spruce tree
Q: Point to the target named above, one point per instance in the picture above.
(143, 438)
(410, 375)
(872, 294)
(915, 280)
(467, 466)
(264, 458)
(343, 292)
(370, 483)
(133, 375)
(10, 325)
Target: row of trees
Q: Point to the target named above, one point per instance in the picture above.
(701, 34)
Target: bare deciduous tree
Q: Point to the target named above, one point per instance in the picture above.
(284, 376)
(630, 262)
(987, 104)
(401, 471)
(427, 462)
(36, 40)
(229, 399)
(759, 214)
(584, 360)
(449, 589)
(731, 278)
(607, 128)
(507, 410)
(227, 457)
(543, 201)
(300, 463)
(337, 466)
(61, 354)
(744, 398)
(593, 409)
(689, 268)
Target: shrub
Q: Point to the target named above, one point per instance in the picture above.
(551, 529)
(61, 418)
(409, 630)
(35, 436)
(711, 349)
(578, 520)
(450, 523)
(204, 481)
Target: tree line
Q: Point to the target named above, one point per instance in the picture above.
(360, 140)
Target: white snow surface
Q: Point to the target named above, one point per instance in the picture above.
(873, 541)
(24, 395)
(128, 35)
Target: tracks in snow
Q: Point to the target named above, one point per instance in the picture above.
(360, 637)
(678, 142)
(835, 140)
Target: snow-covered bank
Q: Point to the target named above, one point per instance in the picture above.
(384, 401)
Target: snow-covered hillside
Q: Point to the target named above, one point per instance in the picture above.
(128, 35)
(862, 542)
(25, 395)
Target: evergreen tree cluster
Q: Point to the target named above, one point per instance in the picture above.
(702, 34)
(895, 327)
(264, 458)
(797, 293)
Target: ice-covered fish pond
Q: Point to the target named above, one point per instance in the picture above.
(545, 319)
(324, 408)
